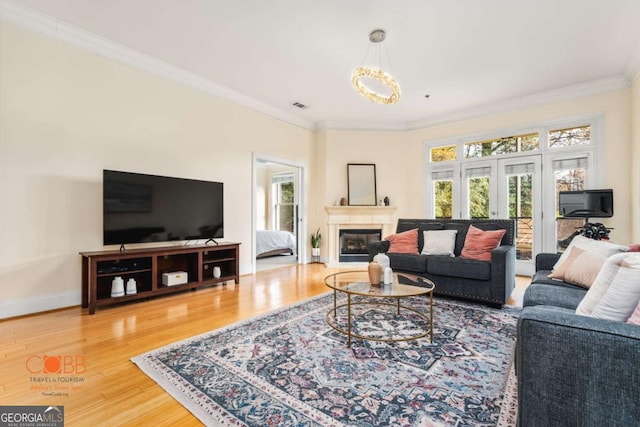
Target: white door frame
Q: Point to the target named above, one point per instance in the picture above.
(524, 267)
(300, 196)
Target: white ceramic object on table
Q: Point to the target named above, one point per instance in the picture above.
(383, 260)
(117, 287)
(132, 288)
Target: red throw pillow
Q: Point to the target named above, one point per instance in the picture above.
(478, 244)
(404, 243)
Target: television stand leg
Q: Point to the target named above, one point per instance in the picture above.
(211, 239)
(122, 248)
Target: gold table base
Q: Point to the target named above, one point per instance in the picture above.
(350, 334)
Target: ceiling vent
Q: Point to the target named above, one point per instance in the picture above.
(299, 105)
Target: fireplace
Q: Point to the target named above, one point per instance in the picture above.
(347, 218)
(353, 243)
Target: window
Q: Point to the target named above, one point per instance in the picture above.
(478, 180)
(520, 202)
(506, 145)
(569, 175)
(443, 154)
(443, 193)
(570, 137)
(283, 195)
(528, 166)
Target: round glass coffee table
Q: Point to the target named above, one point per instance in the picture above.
(404, 285)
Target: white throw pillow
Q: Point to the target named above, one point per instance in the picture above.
(601, 284)
(635, 317)
(623, 294)
(601, 247)
(439, 242)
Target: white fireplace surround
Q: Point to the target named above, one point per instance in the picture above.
(355, 217)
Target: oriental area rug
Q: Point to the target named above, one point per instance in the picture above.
(289, 368)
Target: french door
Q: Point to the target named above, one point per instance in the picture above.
(507, 188)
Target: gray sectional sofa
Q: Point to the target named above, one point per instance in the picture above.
(573, 370)
(488, 282)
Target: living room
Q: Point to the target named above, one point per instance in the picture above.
(73, 104)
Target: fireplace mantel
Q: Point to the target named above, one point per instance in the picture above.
(351, 217)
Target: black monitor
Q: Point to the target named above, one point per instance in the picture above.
(586, 203)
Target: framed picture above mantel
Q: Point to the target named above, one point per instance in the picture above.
(361, 184)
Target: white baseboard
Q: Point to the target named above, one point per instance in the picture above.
(31, 305)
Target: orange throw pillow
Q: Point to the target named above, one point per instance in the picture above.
(478, 244)
(404, 243)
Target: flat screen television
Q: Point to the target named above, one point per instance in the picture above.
(586, 203)
(139, 208)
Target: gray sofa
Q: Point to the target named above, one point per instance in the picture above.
(573, 370)
(488, 282)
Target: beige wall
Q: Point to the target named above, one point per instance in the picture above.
(399, 157)
(66, 114)
(634, 158)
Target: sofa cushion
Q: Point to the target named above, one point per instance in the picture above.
(541, 276)
(439, 242)
(406, 225)
(601, 247)
(561, 268)
(459, 267)
(427, 227)
(461, 234)
(581, 268)
(623, 294)
(405, 242)
(554, 295)
(584, 269)
(478, 243)
(635, 316)
(601, 284)
(408, 262)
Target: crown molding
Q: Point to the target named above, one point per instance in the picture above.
(633, 67)
(30, 19)
(35, 21)
(556, 95)
(548, 97)
(362, 126)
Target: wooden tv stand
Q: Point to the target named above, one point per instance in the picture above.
(147, 265)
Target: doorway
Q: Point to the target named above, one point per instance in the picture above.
(277, 219)
(507, 188)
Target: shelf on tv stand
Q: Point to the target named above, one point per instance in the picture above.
(147, 266)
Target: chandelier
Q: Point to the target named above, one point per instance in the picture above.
(376, 37)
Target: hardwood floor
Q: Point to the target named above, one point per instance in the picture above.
(95, 351)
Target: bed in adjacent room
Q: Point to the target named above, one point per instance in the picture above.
(273, 242)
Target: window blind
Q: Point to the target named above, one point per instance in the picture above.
(521, 169)
(566, 164)
(288, 177)
(442, 175)
(478, 172)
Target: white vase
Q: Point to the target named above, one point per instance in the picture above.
(315, 251)
(131, 287)
(117, 287)
(216, 272)
(387, 276)
(383, 260)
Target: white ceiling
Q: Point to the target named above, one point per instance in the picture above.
(470, 56)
